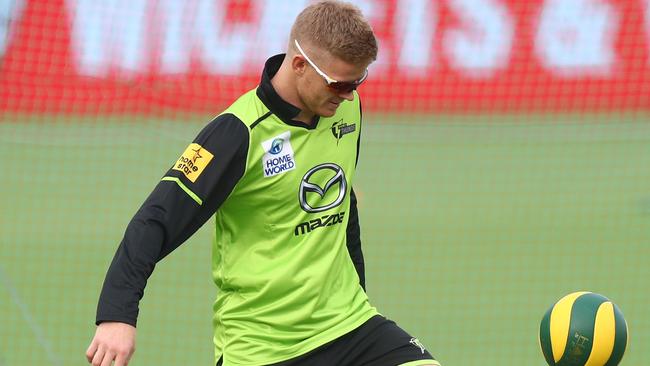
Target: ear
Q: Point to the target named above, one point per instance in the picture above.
(298, 65)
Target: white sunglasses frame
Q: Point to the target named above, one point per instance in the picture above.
(328, 79)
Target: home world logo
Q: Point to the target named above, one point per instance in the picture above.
(278, 156)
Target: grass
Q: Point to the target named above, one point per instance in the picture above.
(472, 227)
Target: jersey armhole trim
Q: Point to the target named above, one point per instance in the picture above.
(262, 118)
(184, 187)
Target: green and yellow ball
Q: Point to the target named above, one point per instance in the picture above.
(583, 329)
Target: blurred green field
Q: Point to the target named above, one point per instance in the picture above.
(471, 225)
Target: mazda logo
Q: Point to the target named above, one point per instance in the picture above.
(337, 180)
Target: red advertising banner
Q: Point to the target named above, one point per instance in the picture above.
(139, 56)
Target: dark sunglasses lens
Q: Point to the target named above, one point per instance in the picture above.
(344, 87)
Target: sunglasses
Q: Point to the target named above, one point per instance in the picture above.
(337, 86)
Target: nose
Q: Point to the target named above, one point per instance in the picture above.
(347, 95)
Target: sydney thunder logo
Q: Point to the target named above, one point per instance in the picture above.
(340, 129)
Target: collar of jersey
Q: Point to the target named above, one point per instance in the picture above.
(278, 106)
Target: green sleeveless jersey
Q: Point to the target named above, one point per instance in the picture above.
(287, 282)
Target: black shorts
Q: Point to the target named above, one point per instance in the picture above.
(377, 342)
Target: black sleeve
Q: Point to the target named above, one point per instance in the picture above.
(353, 231)
(187, 196)
(353, 239)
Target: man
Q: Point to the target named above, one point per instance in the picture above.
(277, 168)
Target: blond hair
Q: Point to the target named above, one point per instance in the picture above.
(338, 28)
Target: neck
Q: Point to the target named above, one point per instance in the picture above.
(285, 86)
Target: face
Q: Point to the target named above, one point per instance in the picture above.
(319, 96)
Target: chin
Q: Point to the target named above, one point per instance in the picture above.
(327, 113)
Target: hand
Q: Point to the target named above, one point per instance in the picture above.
(112, 341)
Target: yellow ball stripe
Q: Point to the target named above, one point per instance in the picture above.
(560, 321)
(604, 335)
